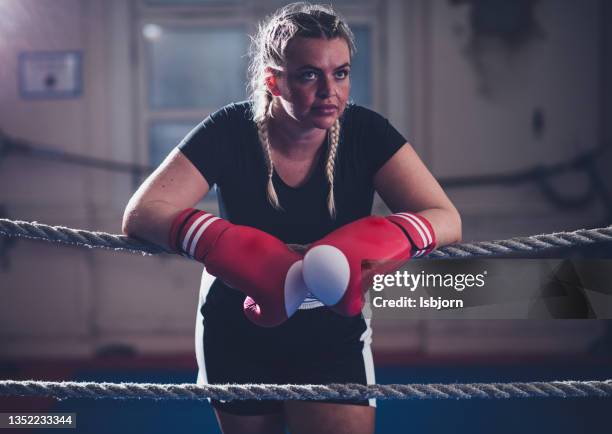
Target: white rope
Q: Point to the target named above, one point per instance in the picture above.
(228, 392)
(527, 245)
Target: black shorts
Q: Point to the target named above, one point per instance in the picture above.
(315, 346)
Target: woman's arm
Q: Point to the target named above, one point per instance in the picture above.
(405, 184)
(175, 185)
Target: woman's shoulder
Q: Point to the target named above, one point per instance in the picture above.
(235, 112)
(358, 114)
(221, 126)
(363, 121)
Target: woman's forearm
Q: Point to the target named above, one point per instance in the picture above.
(446, 224)
(150, 221)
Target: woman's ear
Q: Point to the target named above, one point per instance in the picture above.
(271, 82)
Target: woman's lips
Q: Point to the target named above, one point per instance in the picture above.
(325, 110)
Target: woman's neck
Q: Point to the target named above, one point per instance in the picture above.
(290, 139)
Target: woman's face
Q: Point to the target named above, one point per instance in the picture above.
(314, 85)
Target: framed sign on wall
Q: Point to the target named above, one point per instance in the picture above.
(50, 74)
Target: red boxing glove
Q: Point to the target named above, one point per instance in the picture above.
(245, 258)
(332, 265)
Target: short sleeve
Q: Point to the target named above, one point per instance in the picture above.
(382, 140)
(204, 145)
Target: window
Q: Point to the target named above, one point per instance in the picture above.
(195, 67)
(190, 71)
(361, 68)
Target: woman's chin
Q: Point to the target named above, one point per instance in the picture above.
(324, 122)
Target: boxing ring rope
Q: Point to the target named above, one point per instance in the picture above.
(529, 244)
(228, 392)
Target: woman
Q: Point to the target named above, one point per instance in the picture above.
(297, 162)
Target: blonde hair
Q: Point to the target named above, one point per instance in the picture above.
(268, 48)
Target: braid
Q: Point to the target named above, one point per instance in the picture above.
(330, 165)
(262, 130)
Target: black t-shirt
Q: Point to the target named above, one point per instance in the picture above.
(226, 150)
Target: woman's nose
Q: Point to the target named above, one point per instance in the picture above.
(325, 87)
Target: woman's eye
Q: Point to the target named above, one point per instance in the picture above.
(342, 74)
(309, 75)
